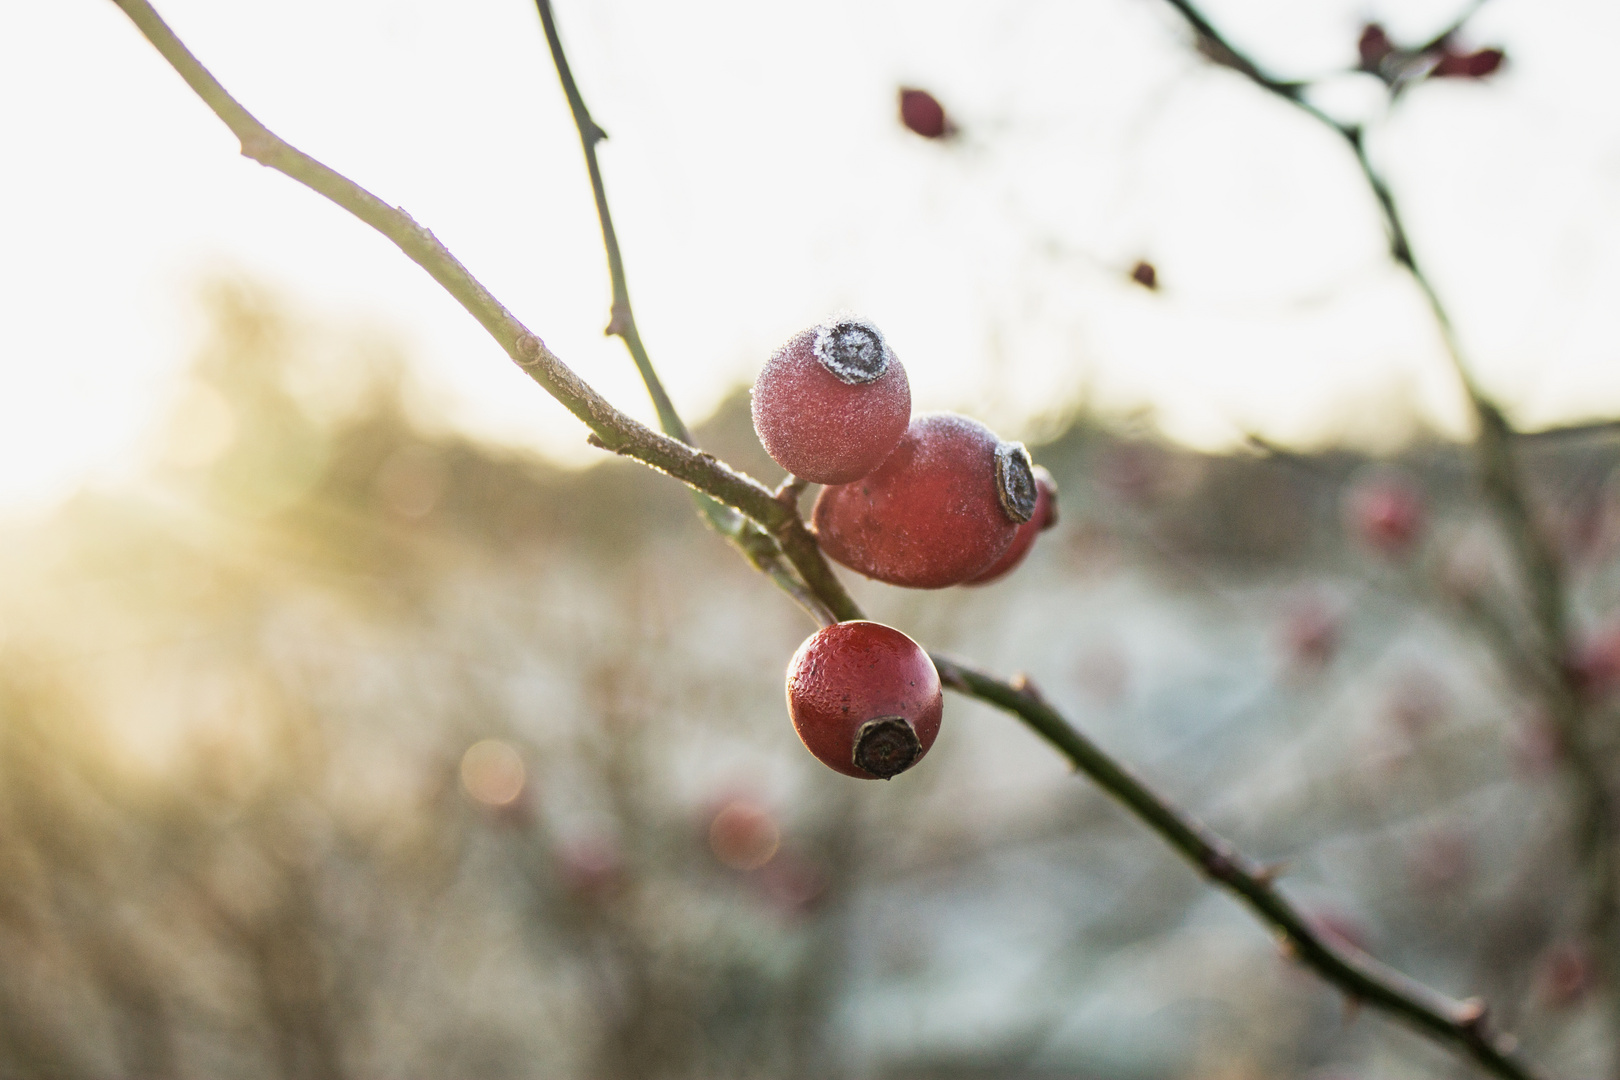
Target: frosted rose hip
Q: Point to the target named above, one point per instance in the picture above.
(1044, 517)
(940, 509)
(831, 403)
(864, 698)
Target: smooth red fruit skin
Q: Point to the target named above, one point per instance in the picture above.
(1044, 517)
(849, 674)
(930, 516)
(822, 427)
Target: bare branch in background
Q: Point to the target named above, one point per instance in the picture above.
(1502, 478)
(1459, 1025)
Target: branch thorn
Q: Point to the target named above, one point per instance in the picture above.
(1268, 874)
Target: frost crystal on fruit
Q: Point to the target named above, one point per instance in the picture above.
(830, 404)
(853, 350)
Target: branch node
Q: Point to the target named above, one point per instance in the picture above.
(619, 321)
(1471, 1015)
(593, 439)
(530, 350)
(258, 145)
(788, 491)
(1026, 688)
(1218, 864)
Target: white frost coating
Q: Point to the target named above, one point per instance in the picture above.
(852, 349)
(947, 432)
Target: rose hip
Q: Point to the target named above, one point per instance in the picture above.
(831, 403)
(864, 698)
(940, 509)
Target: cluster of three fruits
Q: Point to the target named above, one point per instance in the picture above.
(925, 503)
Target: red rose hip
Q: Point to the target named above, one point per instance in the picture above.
(1387, 511)
(864, 698)
(1044, 517)
(831, 403)
(922, 114)
(940, 509)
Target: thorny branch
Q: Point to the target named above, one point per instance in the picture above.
(1502, 480)
(1458, 1024)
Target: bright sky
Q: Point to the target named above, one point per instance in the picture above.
(759, 180)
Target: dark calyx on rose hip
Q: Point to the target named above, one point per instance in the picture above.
(864, 698)
(1044, 517)
(944, 506)
(832, 403)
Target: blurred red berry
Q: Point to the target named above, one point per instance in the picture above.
(1565, 974)
(1386, 512)
(1595, 667)
(590, 868)
(1474, 65)
(1145, 275)
(923, 115)
(1311, 633)
(743, 835)
(1374, 47)
(792, 884)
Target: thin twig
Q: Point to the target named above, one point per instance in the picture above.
(1462, 1024)
(1459, 1024)
(755, 544)
(621, 318)
(610, 428)
(1502, 480)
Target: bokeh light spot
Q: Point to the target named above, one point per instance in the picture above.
(744, 835)
(492, 772)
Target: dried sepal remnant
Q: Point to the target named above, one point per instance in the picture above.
(1015, 481)
(1044, 517)
(853, 350)
(864, 698)
(887, 746)
(932, 515)
(832, 403)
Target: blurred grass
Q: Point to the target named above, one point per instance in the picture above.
(234, 699)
